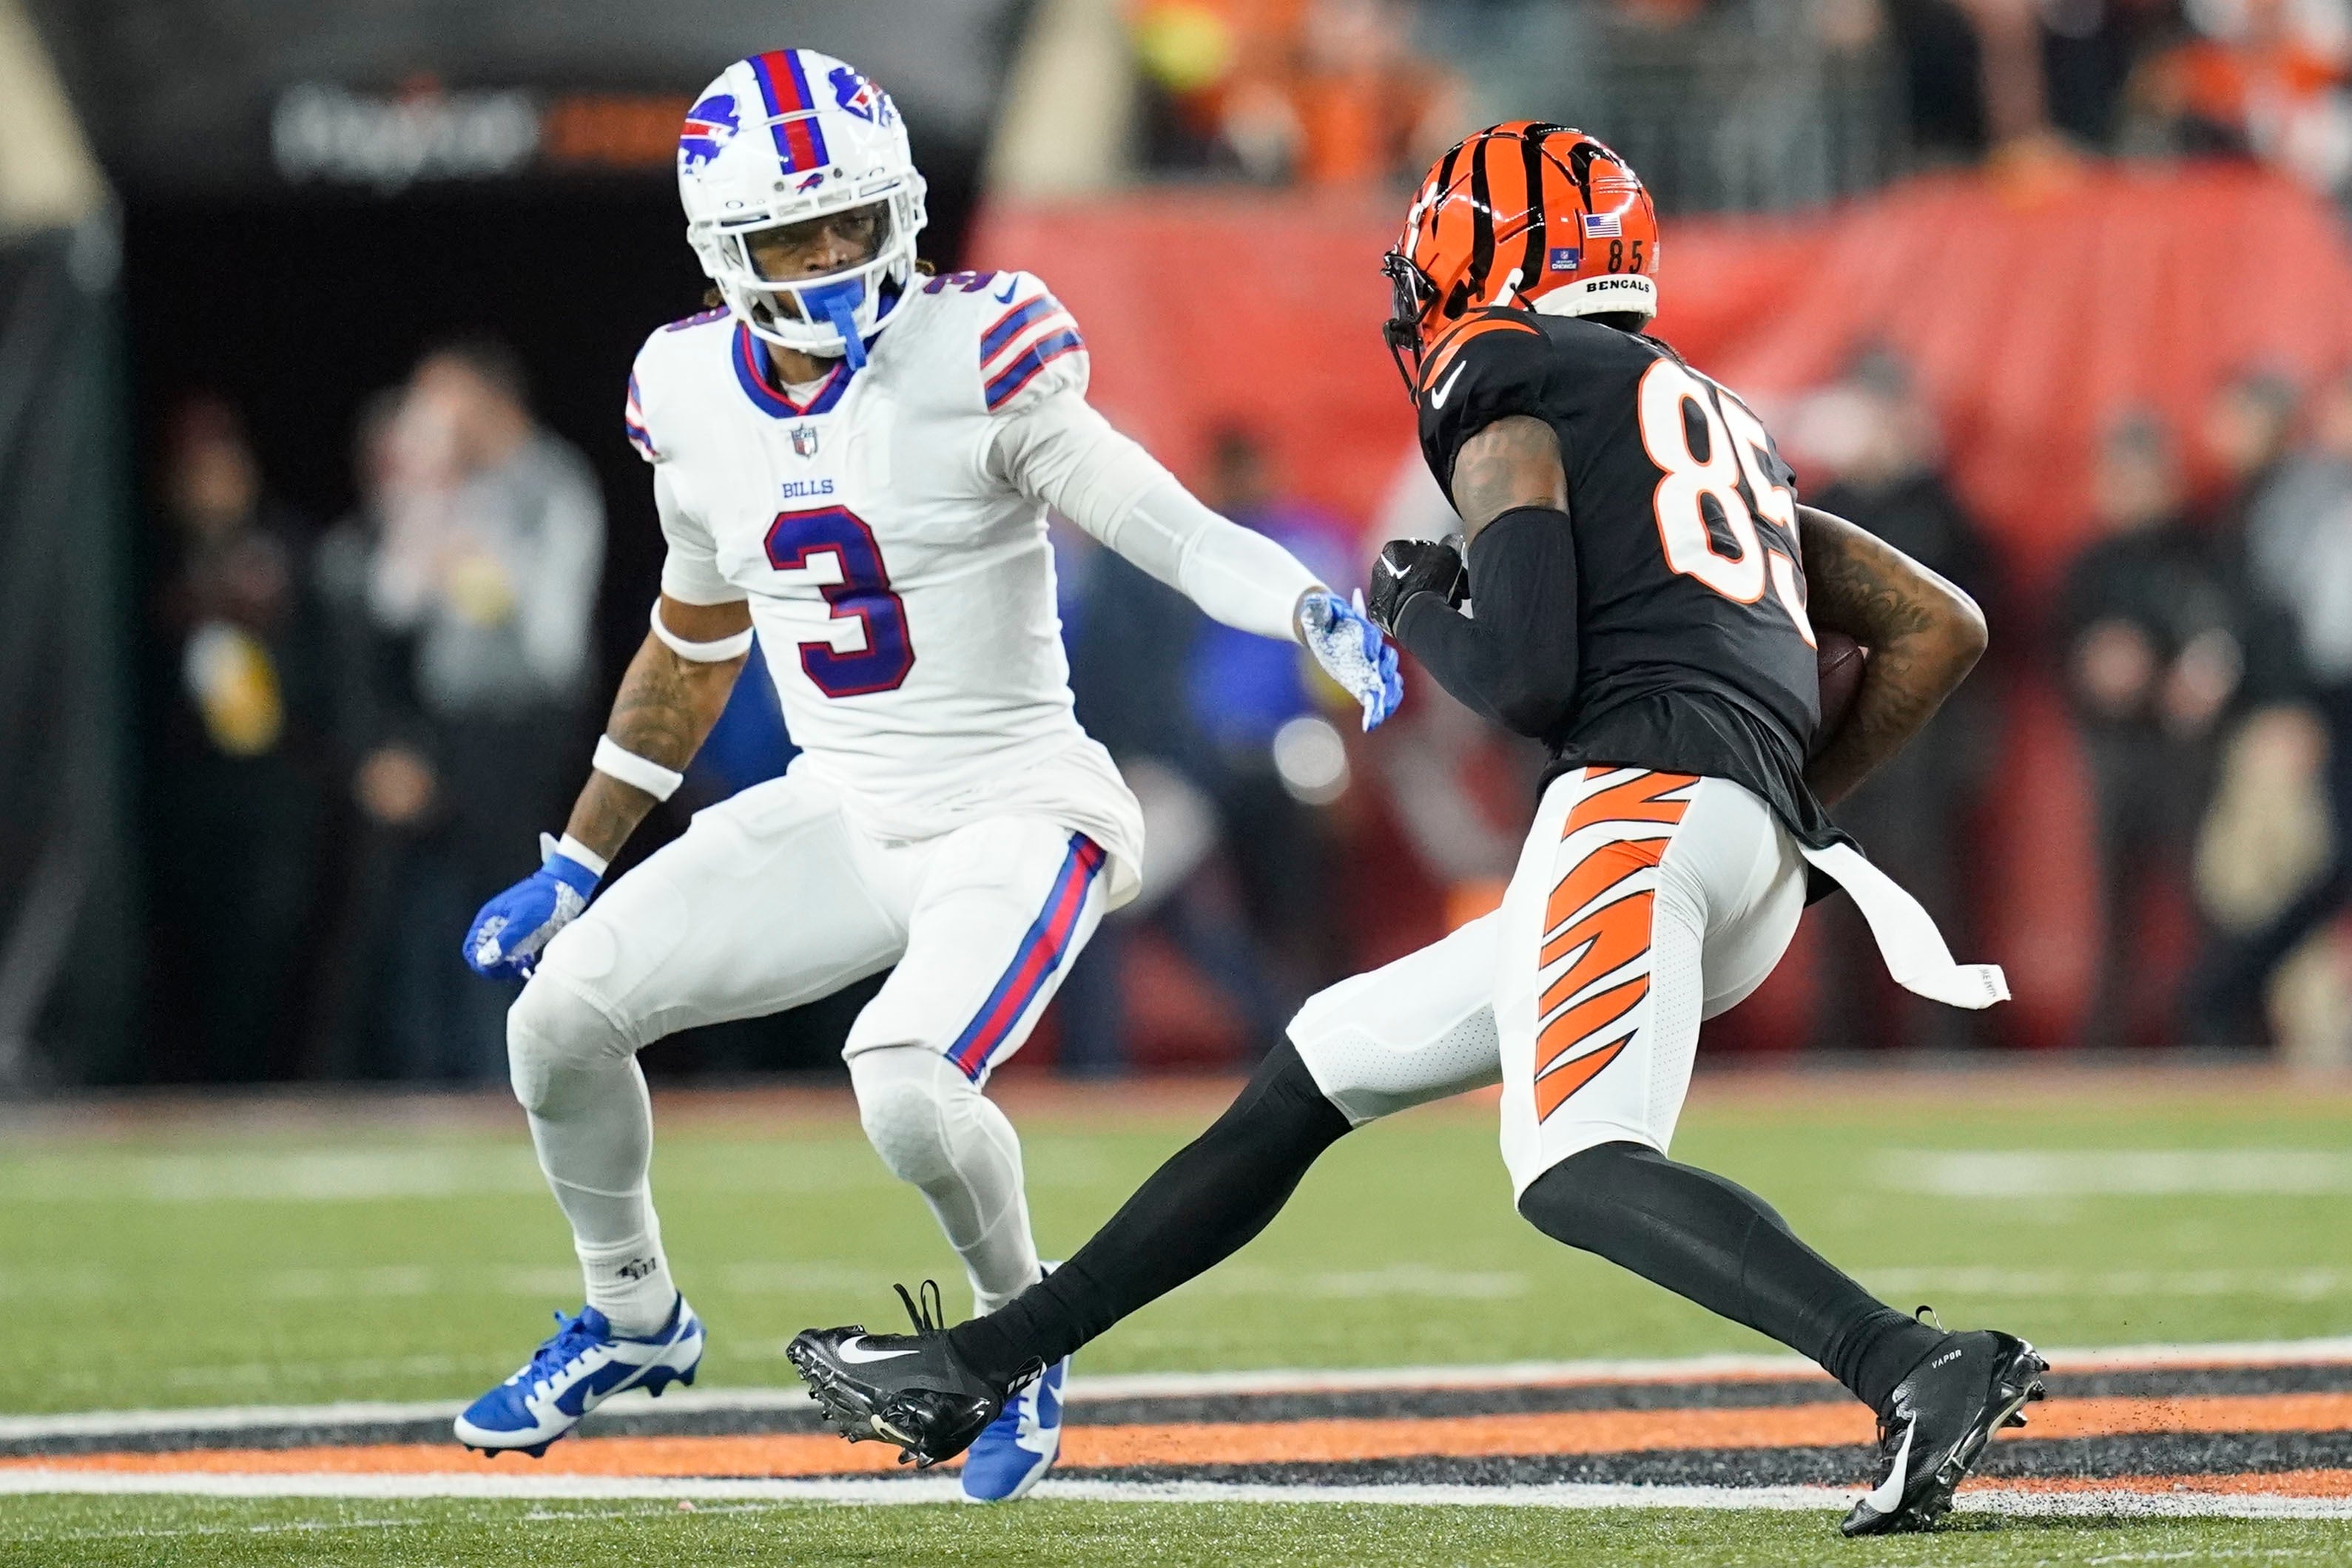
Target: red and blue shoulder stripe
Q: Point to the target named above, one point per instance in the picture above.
(1031, 334)
(633, 423)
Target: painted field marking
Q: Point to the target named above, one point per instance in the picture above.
(1083, 1389)
(2119, 1502)
(1315, 1440)
(2010, 1174)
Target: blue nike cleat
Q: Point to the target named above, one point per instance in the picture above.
(1020, 1445)
(579, 1367)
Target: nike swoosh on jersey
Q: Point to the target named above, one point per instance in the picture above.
(1888, 1495)
(1012, 285)
(1438, 394)
(851, 1352)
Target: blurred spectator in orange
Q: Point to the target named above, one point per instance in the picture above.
(1315, 92)
(235, 791)
(2151, 657)
(2261, 78)
(1877, 439)
(2299, 562)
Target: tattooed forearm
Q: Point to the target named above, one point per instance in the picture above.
(1924, 636)
(664, 709)
(1513, 462)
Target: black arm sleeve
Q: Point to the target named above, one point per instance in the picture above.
(1516, 661)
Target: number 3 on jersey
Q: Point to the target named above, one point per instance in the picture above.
(1736, 443)
(795, 541)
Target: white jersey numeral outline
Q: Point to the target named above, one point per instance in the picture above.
(1736, 443)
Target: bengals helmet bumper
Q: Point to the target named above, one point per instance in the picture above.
(1539, 217)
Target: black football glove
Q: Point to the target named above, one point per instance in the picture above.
(1408, 567)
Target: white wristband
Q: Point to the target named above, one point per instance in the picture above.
(641, 773)
(572, 849)
(713, 653)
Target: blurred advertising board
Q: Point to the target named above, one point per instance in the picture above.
(386, 96)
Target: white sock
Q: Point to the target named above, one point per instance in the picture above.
(630, 1284)
(594, 1134)
(934, 1129)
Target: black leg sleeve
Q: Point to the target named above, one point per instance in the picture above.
(1716, 1243)
(1195, 1211)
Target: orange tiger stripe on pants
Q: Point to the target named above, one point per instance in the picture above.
(1599, 938)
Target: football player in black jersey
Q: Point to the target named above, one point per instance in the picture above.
(1644, 588)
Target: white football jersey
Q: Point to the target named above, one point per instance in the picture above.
(903, 595)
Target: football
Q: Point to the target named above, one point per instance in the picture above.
(1839, 661)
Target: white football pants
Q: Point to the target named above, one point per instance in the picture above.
(775, 898)
(1644, 903)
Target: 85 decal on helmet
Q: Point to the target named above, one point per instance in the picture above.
(1539, 217)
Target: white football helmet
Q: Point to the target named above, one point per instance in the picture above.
(779, 139)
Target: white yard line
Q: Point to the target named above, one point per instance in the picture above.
(2119, 1503)
(1087, 1389)
(2012, 1173)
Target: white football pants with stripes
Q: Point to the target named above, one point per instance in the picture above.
(1644, 903)
(777, 897)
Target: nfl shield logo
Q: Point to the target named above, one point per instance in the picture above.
(803, 440)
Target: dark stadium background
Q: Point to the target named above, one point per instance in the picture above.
(2072, 243)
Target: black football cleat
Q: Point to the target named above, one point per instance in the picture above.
(1937, 1424)
(909, 1389)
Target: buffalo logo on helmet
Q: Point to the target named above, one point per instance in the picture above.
(857, 96)
(709, 126)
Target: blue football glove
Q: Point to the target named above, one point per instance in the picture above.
(1353, 652)
(507, 934)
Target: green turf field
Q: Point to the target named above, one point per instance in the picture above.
(379, 1256)
(381, 1259)
(166, 1532)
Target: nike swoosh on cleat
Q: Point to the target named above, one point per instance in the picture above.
(1888, 1495)
(851, 1352)
(1439, 393)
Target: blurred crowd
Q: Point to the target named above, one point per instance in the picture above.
(367, 726)
(363, 728)
(360, 726)
(2203, 641)
(1837, 93)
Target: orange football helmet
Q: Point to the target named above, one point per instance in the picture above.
(1541, 217)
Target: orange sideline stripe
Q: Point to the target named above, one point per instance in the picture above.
(1260, 1442)
(2266, 1483)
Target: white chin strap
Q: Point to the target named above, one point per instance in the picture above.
(836, 303)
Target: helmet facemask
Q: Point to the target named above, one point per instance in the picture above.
(1411, 295)
(760, 264)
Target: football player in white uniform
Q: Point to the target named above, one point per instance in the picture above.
(854, 461)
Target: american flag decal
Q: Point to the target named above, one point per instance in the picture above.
(1603, 226)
